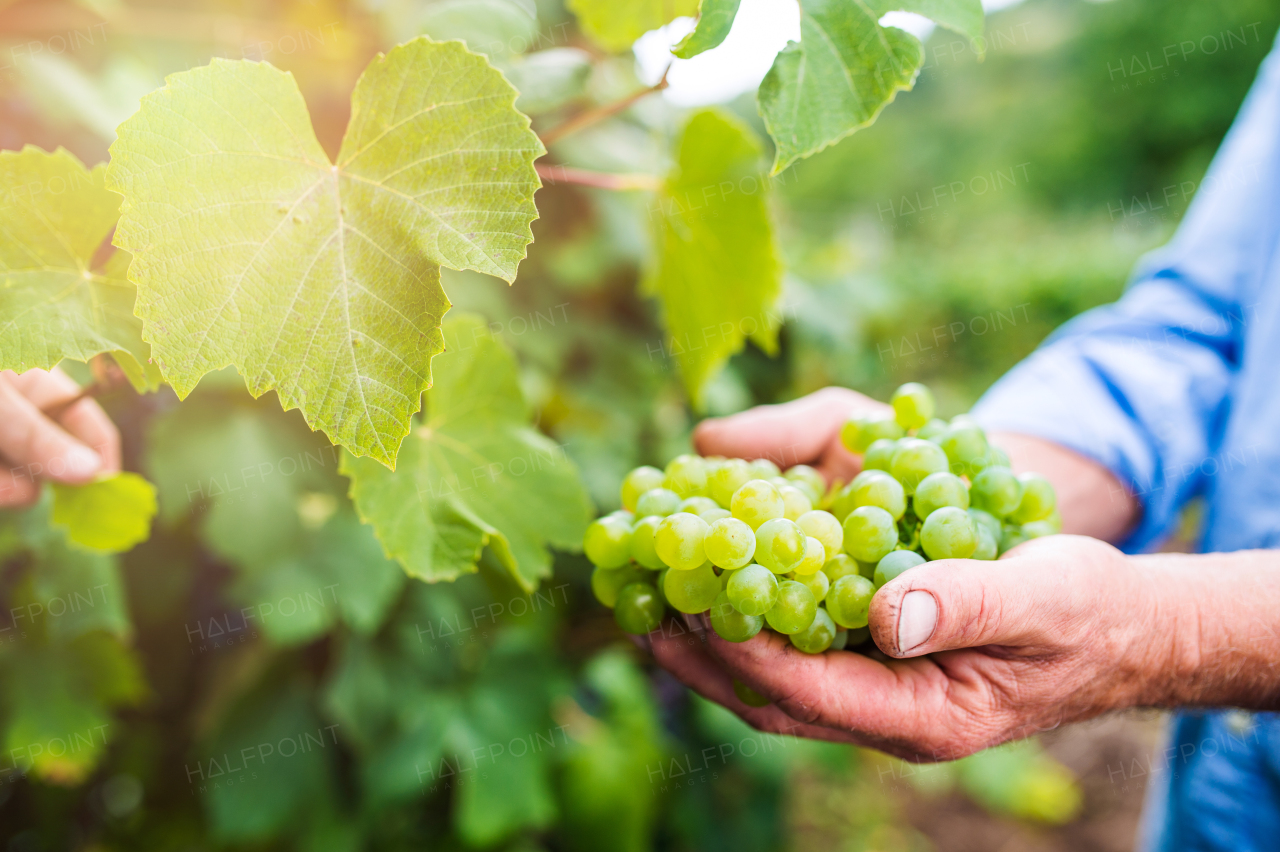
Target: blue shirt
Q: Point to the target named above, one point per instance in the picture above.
(1176, 389)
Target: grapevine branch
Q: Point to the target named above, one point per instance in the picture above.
(598, 180)
(592, 116)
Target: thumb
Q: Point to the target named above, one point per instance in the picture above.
(962, 603)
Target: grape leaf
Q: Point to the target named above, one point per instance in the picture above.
(54, 214)
(845, 69)
(320, 280)
(110, 514)
(616, 24)
(715, 19)
(716, 271)
(474, 473)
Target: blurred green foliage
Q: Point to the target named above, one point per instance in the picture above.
(260, 676)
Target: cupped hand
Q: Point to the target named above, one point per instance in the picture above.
(1055, 631)
(77, 445)
(1060, 629)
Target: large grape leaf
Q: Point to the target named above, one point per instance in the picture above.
(616, 24)
(715, 19)
(315, 279)
(716, 268)
(846, 68)
(473, 473)
(54, 215)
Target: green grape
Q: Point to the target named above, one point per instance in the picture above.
(657, 501)
(794, 609)
(933, 430)
(730, 544)
(607, 582)
(727, 478)
(988, 520)
(824, 527)
(938, 490)
(869, 533)
(879, 455)
(780, 545)
(849, 601)
(809, 476)
(748, 696)
(840, 642)
(1000, 457)
(639, 609)
(858, 433)
(815, 556)
(1038, 499)
(988, 546)
(661, 581)
(881, 490)
(996, 490)
(1054, 520)
(817, 583)
(966, 447)
(697, 504)
(628, 516)
(686, 475)
(679, 541)
(818, 636)
(842, 505)
(912, 405)
(692, 591)
(725, 576)
(1010, 537)
(730, 624)
(840, 565)
(1038, 529)
(637, 482)
(642, 544)
(794, 501)
(752, 590)
(949, 533)
(764, 469)
(608, 542)
(914, 459)
(857, 636)
(756, 502)
(713, 515)
(894, 564)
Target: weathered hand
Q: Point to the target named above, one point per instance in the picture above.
(81, 443)
(1056, 631)
(1061, 629)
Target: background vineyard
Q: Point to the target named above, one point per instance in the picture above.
(480, 713)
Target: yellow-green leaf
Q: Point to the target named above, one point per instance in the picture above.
(616, 24)
(110, 514)
(321, 280)
(715, 19)
(54, 214)
(716, 267)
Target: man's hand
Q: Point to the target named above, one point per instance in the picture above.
(1055, 631)
(81, 443)
(1061, 629)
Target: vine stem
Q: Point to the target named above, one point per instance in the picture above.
(598, 180)
(593, 116)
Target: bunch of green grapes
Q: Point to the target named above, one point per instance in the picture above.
(756, 547)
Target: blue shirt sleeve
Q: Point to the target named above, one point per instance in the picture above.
(1144, 385)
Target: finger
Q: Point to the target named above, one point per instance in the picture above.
(683, 654)
(85, 419)
(964, 603)
(16, 489)
(882, 706)
(797, 432)
(39, 445)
